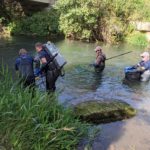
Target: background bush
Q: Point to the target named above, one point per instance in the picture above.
(41, 24)
(105, 20)
(90, 20)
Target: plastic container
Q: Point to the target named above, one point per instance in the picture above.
(59, 59)
(132, 74)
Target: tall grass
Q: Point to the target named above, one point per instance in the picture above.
(35, 122)
(137, 38)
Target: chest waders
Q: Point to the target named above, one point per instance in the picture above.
(52, 74)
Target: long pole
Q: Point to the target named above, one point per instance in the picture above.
(119, 55)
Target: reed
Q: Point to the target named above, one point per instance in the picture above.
(35, 121)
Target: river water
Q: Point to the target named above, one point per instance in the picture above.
(81, 83)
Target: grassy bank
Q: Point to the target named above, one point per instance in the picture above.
(137, 38)
(35, 122)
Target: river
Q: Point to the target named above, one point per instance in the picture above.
(81, 83)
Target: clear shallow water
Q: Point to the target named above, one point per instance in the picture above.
(81, 83)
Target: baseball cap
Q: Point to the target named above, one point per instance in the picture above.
(98, 48)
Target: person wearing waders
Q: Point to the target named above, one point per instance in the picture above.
(47, 67)
(100, 59)
(144, 66)
(24, 66)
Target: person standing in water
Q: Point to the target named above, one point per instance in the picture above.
(100, 59)
(24, 65)
(50, 70)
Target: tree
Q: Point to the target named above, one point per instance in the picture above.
(105, 20)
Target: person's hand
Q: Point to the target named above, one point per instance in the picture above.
(135, 66)
(37, 78)
(140, 69)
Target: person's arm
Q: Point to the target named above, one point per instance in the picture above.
(146, 66)
(104, 56)
(42, 57)
(142, 66)
(43, 60)
(98, 60)
(138, 65)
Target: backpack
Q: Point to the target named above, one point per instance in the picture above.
(58, 61)
(52, 50)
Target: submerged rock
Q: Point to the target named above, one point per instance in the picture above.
(104, 112)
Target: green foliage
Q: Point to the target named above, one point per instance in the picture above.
(142, 11)
(105, 20)
(77, 18)
(1, 19)
(91, 20)
(11, 10)
(41, 24)
(35, 121)
(137, 38)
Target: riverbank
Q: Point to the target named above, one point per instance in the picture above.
(33, 120)
(135, 38)
(109, 23)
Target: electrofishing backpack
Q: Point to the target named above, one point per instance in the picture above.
(59, 61)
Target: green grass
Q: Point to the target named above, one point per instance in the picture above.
(36, 122)
(137, 38)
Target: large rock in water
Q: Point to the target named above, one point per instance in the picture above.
(143, 26)
(103, 112)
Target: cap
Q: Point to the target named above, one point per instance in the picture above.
(98, 48)
(145, 54)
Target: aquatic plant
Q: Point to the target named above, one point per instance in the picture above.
(35, 121)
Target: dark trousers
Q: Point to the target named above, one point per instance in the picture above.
(99, 68)
(51, 77)
(27, 81)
